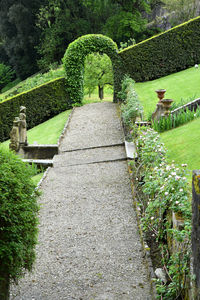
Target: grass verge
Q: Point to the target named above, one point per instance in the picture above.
(183, 145)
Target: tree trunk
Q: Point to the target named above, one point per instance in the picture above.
(4, 285)
(101, 96)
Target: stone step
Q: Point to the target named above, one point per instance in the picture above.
(40, 162)
(92, 155)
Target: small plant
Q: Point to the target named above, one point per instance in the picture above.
(175, 120)
(18, 219)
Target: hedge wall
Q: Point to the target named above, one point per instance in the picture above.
(166, 53)
(74, 58)
(42, 103)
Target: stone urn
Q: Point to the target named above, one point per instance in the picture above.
(166, 104)
(160, 94)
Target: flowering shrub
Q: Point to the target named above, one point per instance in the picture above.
(131, 107)
(164, 192)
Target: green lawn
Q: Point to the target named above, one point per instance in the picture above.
(183, 144)
(184, 84)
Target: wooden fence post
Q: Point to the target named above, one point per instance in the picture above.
(196, 232)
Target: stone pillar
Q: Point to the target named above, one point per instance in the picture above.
(14, 136)
(22, 127)
(196, 232)
(159, 112)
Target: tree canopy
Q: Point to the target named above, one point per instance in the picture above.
(35, 34)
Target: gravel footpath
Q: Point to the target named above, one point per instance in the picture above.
(89, 246)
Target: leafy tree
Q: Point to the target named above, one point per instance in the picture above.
(125, 25)
(19, 34)
(98, 73)
(61, 22)
(18, 220)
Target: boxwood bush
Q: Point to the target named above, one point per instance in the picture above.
(166, 53)
(18, 219)
(42, 103)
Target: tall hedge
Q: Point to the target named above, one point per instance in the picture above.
(166, 53)
(74, 58)
(42, 103)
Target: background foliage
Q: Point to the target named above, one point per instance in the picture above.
(6, 75)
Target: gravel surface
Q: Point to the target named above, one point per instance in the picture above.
(89, 246)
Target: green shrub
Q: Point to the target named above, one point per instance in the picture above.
(74, 59)
(6, 75)
(42, 103)
(161, 190)
(131, 107)
(166, 53)
(18, 219)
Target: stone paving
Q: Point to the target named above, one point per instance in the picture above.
(89, 246)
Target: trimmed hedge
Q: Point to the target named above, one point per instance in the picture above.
(74, 58)
(42, 103)
(166, 53)
(18, 219)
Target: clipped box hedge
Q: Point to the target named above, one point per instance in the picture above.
(42, 103)
(166, 53)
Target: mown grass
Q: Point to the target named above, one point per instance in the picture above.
(182, 85)
(183, 145)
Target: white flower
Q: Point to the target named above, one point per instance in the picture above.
(184, 178)
(168, 168)
(166, 193)
(181, 190)
(177, 177)
(177, 202)
(173, 173)
(152, 218)
(184, 165)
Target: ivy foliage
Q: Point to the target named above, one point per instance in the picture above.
(164, 54)
(74, 59)
(18, 217)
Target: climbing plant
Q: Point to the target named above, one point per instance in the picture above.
(74, 59)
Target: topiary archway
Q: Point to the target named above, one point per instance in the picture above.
(74, 58)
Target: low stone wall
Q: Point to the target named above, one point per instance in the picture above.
(39, 151)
